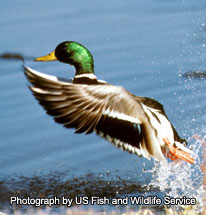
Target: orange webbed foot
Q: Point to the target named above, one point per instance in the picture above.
(175, 153)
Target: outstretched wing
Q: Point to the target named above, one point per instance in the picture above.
(110, 111)
(77, 105)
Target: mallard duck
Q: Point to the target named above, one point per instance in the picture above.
(135, 124)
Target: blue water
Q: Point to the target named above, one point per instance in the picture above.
(145, 46)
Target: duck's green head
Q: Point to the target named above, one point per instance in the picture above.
(72, 53)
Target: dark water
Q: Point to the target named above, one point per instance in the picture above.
(153, 48)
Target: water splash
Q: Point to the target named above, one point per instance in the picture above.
(178, 179)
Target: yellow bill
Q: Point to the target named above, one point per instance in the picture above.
(49, 57)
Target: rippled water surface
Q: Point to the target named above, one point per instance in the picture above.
(153, 48)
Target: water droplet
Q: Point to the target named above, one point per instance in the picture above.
(177, 179)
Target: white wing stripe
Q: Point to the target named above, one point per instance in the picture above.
(120, 116)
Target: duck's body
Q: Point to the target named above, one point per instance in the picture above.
(135, 124)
